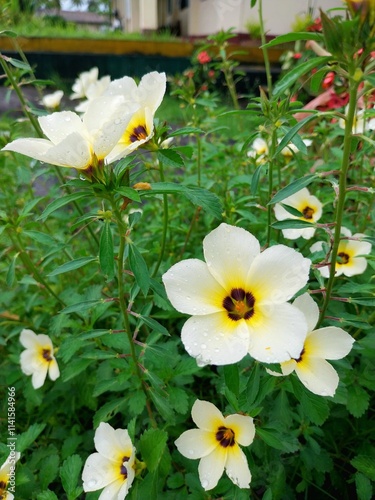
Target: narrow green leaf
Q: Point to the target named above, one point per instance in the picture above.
(186, 131)
(154, 325)
(11, 274)
(42, 238)
(232, 378)
(30, 205)
(293, 37)
(291, 77)
(106, 252)
(108, 410)
(292, 188)
(72, 265)
(61, 202)
(81, 306)
(9, 33)
(292, 210)
(18, 64)
(291, 224)
(255, 178)
(128, 192)
(253, 384)
(139, 268)
(288, 137)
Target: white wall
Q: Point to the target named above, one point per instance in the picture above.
(210, 16)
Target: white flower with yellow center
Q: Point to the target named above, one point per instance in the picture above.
(148, 95)
(258, 151)
(216, 442)
(112, 467)
(350, 260)
(7, 470)
(361, 123)
(95, 89)
(38, 359)
(310, 208)
(79, 142)
(311, 366)
(238, 299)
(291, 149)
(52, 101)
(83, 82)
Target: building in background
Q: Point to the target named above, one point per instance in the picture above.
(194, 18)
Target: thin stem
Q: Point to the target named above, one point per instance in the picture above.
(267, 65)
(230, 84)
(270, 184)
(353, 88)
(165, 223)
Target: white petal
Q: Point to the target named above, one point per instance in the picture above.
(30, 361)
(361, 247)
(39, 376)
(53, 370)
(28, 338)
(115, 491)
(310, 309)
(229, 252)
(33, 148)
(206, 416)
(214, 339)
(151, 89)
(192, 289)
(243, 428)
(293, 234)
(288, 366)
(196, 443)
(112, 443)
(98, 472)
(72, 152)
(211, 468)
(125, 86)
(57, 126)
(330, 342)
(356, 265)
(277, 274)
(237, 467)
(318, 376)
(277, 333)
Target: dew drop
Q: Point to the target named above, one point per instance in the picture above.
(92, 483)
(191, 452)
(203, 346)
(204, 483)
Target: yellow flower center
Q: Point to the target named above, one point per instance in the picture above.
(225, 437)
(308, 213)
(239, 304)
(46, 354)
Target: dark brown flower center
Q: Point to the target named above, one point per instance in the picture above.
(47, 354)
(139, 133)
(225, 437)
(239, 304)
(308, 213)
(123, 469)
(300, 356)
(3, 485)
(344, 258)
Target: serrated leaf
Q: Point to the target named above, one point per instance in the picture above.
(106, 255)
(74, 368)
(61, 202)
(293, 37)
(364, 464)
(46, 495)
(72, 265)
(315, 407)
(137, 403)
(292, 188)
(151, 446)
(363, 486)
(139, 268)
(28, 437)
(291, 77)
(70, 474)
(81, 306)
(358, 400)
(274, 438)
(179, 399)
(108, 410)
(50, 466)
(170, 158)
(154, 325)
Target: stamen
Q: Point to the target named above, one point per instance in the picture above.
(46, 353)
(300, 356)
(344, 258)
(139, 133)
(225, 437)
(123, 469)
(308, 212)
(239, 304)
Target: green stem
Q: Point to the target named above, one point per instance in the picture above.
(230, 84)
(165, 223)
(270, 184)
(353, 88)
(264, 50)
(123, 305)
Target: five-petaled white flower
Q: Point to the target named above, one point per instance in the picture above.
(148, 95)
(238, 299)
(258, 151)
(311, 366)
(83, 82)
(350, 253)
(310, 208)
(361, 122)
(38, 359)
(7, 470)
(216, 443)
(52, 101)
(112, 467)
(93, 91)
(291, 149)
(79, 142)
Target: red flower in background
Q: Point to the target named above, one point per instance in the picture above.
(203, 57)
(328, 80)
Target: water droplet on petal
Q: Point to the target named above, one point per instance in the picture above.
(92, 483)
(203, 346)
(204, 483)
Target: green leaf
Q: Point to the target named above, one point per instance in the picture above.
(46, 495)
(106, 255)
(292, 133)
(18, 64)
(358, 400)
(50, 466)
(70, 474)
(151, 446)
(363, 486)
(315, 407)
(11, 274)
(292, 188)
(81, 306)
(293, 37)
(291, 77)
(186, 131)
(179, 399)
(61, 202)
(283, 442)
(44, 239)
(154, 325)
(291, 224)
(9, 33)
(139, 268)
(255, 178)
(128, 192)
(232, 378)
(170, 158)
(108, 410)
(72, 265)
(28, 437)
(365, 464)
(253, 383)
(74, 368)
